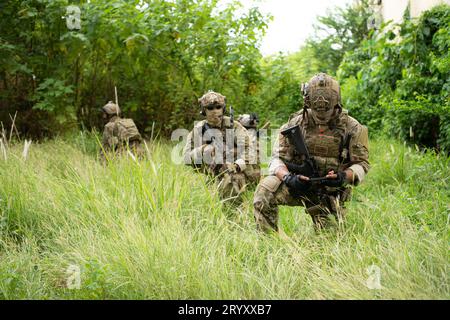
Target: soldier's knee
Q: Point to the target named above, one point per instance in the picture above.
(268, 185)
(265, 192)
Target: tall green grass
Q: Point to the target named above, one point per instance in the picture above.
(155, 230)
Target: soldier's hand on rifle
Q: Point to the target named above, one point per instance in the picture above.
(297, 184)
(335, 180)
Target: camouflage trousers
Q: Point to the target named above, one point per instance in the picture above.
(271, 193)
(253, 174)
(231, 185)
(135, 148)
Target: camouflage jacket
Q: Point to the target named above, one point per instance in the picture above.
(254, 144)
(343, 144)
(118, 132)
(238, 151)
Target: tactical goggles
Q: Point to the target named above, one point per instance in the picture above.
(214, 106)
(323, 99)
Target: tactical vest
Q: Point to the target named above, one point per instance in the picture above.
(202, 128)
(327, 144)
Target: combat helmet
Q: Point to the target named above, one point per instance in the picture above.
(111, 109)
(211, 98)
(322, 92)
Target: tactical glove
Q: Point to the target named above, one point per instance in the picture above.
(335, 183)
(295, 185)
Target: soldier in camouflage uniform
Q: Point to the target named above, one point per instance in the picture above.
(218, 146)
(339, 146)
(119, 135)
(250, 122)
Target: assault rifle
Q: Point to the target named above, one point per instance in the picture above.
(211, 139)
(308, 168)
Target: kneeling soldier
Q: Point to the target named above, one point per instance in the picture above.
(119, 135)
(318, 172)
(218, 146)
(250, 122)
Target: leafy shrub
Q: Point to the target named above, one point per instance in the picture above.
(401, 82)
(161, 57)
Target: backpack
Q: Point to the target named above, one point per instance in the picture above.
(127, 131)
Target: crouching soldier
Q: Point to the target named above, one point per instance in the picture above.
(321, 153)
(218, 146)
(120, 135)
(250, 123)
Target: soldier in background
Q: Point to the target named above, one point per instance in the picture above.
(219, 147)
(338, 146)
(119, 135)
(250, 122)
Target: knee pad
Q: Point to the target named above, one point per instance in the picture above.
(270, 183)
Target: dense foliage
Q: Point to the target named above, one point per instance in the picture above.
(399, 79)
(161, 55)
(338, 31)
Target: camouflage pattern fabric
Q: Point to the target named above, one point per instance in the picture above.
(211, 98)
(119, 136)
(230, 182)
(341, 145)
(254, 153)
(248, 122)
(325, 210)
(111, 109)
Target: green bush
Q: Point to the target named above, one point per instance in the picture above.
(401, 82)
(161, 57)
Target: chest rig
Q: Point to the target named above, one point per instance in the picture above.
(225, 143)
(327, 144)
